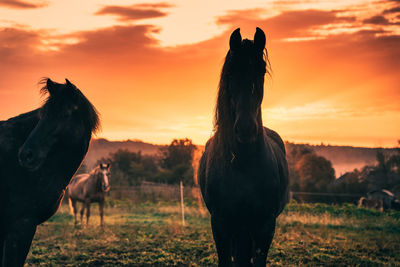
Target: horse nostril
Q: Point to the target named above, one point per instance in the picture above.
(26, 156)
(29, 156)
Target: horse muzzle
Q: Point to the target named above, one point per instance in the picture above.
(29, 159)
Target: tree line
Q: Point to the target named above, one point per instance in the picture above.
(170, 165)
(308, 171)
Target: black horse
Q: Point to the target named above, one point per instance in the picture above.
(39, 153)
(243, 172)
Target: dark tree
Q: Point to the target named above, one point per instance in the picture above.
(176, 159)
(180, 151)
(315, 173)
(294, 154)
(131, 168)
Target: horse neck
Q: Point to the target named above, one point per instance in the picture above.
(229, 149)
(253, 149)
(14, 131)
(96, 184)
(25, 122)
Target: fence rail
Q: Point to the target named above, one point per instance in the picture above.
(148, 191)
(156, 191)
(330, 198)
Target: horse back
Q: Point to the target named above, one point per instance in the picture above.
(77, 186)
(79, 178)
(15, 130)
(278, 149)
(276, 138)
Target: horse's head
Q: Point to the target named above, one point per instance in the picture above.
(66, 119)
(243, 78)
(104, 177)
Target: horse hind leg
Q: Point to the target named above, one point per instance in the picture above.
(72, 204)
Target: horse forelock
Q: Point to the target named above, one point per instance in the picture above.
(56, 103)
(100, 175)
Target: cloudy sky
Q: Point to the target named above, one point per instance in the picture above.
(152, 68)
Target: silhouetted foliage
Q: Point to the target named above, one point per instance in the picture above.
(294, 154)
(384, 175)
(179, 152)
(173, 164)
(350, 183)
(176, 160)
(131, 168)
(315, 173)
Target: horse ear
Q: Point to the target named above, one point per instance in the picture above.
(50, 85)
(101, 165)
(68, 83)
(108, 165)
(235, 41)
(259, 39)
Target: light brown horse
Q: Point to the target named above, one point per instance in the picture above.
(89, 188)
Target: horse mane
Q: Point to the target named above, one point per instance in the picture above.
(95, 170)
(54, 102)
(222, 140)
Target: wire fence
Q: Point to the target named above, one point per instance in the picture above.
(148, 191)
(329, 198)
(155, 192)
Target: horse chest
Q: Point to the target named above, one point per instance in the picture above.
(246, 193)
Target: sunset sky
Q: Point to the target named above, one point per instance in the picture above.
(152, 68)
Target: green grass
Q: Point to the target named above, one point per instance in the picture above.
(151, 234)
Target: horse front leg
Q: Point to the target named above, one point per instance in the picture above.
(242, 248)
(222, 237)
(17, 243)
(262, 235)
(101, 209)
(87, 204)
(82, 211)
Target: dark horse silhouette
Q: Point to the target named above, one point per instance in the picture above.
(39, 153)
(243, 172)
(88, 188)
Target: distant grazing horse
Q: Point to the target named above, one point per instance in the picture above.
(39, 153)
(370, 203)
(88, 188)
(243, 172)
(380, 199)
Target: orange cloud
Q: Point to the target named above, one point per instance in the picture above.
(287, 24)
(134, 12)
(20, 4)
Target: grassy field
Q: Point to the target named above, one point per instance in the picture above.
(151, 234)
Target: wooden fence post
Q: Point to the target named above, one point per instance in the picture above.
(182, 205)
